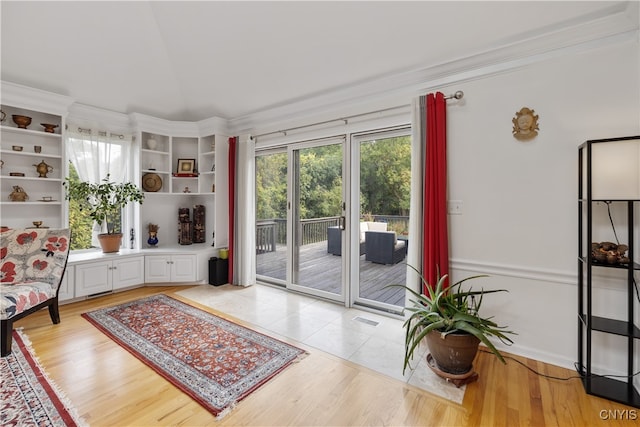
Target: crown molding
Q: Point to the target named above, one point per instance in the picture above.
(90, 116)
(612, 25)
(213, 126)
(142, 122)
(34, 99)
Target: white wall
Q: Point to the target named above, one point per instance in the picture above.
(519, 220)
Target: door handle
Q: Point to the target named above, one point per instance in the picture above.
(342, 223)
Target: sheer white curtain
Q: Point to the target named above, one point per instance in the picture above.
(414, 254)
(96, 154)
(245, 243)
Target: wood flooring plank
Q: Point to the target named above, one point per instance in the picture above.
(110, 387)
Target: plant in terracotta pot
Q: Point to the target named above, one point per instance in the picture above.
(449, 319)
(104, 201)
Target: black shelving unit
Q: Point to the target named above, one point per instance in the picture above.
(617, 389)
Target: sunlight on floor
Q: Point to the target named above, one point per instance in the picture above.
(328, 327)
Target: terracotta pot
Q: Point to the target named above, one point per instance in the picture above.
(110, 242)
(454, 353)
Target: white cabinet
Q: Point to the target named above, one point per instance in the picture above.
(66, 290)
(22, 150)
(170, 268)
(105, 276)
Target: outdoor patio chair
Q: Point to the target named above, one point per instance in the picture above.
(334, 241)
(383, 247)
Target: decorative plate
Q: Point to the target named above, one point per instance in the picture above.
(151, 182)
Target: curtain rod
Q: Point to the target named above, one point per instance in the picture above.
(458, 95)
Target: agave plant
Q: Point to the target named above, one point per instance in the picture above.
(450, 310)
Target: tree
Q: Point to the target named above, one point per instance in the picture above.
(385, 180)
(385, 176)
(79, 221)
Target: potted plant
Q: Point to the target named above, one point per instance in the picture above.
(104, 201)
(449, 319)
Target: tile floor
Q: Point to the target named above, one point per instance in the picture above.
(369, 339)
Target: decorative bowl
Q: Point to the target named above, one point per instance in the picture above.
(48, 127)
(22, 121)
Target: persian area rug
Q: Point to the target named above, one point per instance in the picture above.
(28, 396)
(214, 361)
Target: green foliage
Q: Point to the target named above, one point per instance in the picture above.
(385, 180)
(385, 176)
(271, 186)
(321, 181)
(450, 310)
(79, 220)
(103, 201)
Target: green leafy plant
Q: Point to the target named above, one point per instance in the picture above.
(450, 310)
(104, 200)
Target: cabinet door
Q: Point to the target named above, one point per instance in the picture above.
(157, 269)
(93, 278)
(67, 286)
(184, 268)
(128, 272)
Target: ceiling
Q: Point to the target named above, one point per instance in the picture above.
(194, 60)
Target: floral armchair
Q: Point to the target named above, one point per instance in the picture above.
(33, 265)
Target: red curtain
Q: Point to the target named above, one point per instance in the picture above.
(435, 260)
(233, 141)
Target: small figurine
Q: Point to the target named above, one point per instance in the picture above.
(153, 235)
(18, 194)
(43, 169)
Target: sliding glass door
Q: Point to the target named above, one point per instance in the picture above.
(271, 216)
(381, 188)
(317, 216)
(333, 222)
(300, 217)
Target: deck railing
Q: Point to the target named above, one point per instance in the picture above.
(266, 236)
(271, 232)
(315, 230)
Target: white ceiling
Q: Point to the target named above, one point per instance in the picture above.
(194, 60)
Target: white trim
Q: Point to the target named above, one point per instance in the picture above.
(540, 274)
(35, 99)
(89, 116)
(165, 127)
(522, 272)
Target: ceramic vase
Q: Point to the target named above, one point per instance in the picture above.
(153, 239)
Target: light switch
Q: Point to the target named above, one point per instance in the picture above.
(454, 207)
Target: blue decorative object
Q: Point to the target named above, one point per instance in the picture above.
(152, 241)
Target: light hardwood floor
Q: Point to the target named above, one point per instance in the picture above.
(110, 387)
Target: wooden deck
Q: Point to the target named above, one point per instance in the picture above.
(321, 270)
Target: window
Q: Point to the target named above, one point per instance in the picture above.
(92, 155)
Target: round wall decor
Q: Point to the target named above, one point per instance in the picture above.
(151, 182)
